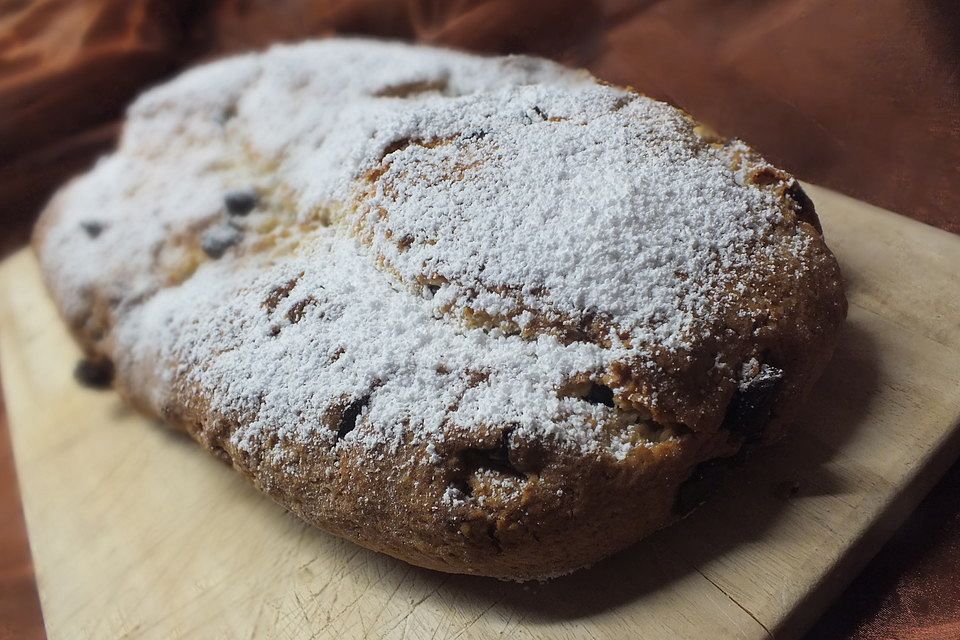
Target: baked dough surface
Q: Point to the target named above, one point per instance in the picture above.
(486, 315)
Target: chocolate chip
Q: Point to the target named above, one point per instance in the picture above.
(750, 406)
(217, 240)
(475, 135)
(500, 456)
(497, 459)
(92, 228)
(600, 394)
(226, 115)
(348, 420)
(433, 288)
(804, 206)
(240, 203)
(94, 374)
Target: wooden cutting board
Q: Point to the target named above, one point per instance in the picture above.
(138, 533)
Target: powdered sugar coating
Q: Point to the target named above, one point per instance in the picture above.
(283, 376)
(567, 203)
(507, 189)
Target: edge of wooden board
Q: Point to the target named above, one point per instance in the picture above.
(875, 536)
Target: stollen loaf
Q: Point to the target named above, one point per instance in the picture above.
(485, 315)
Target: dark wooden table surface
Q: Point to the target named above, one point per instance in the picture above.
(860, 97)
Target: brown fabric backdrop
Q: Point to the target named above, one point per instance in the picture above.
(861, 96)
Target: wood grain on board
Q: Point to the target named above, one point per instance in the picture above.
(135, 530)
